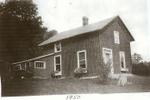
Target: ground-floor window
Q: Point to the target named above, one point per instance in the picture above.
(40, 64)
(28, 64)
(23, 66)
(81, 58)
(18, 67)
(57, 63)
(122, 61)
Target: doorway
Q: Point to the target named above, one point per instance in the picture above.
(108, 58)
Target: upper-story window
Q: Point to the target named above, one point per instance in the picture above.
(116, 37)
(57, 47)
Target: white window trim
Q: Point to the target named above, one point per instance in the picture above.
(107, 49)
(123, 69)
(21, 67)
(55, 50)
(78, 58)
(44, 63)
(111, 52)
(60, 73)
(116, 37)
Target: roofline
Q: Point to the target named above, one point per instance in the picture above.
(132, 38)
(62, 39)
(32, 59)
(112, 19)
(77, 34)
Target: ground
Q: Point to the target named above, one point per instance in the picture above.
(72, 86)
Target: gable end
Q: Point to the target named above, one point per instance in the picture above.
(121, 23)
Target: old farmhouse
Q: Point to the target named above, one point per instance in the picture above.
(85, 47)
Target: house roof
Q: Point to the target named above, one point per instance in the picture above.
(32, 59)
(81, 30)
(78, 31)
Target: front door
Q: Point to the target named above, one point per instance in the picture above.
(108, 58)
(122, 61)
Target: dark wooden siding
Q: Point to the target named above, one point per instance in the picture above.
(107, 40)
(40, 73)
(48, 49)
(88, 42)
(44, 73)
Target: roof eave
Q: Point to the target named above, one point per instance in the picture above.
(132, 38)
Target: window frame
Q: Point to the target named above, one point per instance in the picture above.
(78, 59)
(124, 60)
(116, 37)
(23, 66)
(55, 45)
(107, 50)
(44, 64)
(60, 72)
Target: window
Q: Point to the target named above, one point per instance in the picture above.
(82, 60)
(23, 66)
(57, 63)
(18, 67)
(57, 47)
(107, 55)
(40, 64)
(27, 64)
(122, 61)
(116, 37)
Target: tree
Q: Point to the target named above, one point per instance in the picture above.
(136, 58)
(21, 29)
(49, 34)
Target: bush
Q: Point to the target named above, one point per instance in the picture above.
(141, 69)
(104, 72)
(79, 72)
(22, 74)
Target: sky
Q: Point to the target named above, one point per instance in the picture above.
(67, 14)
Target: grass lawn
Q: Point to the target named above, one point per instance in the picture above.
(71, 86)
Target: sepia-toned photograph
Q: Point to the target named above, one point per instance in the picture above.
(58, 47)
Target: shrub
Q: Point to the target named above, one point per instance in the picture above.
(104, 72)
(22, 74)
(141, 69)
(79, 72)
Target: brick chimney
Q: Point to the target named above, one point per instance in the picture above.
(85, 21)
